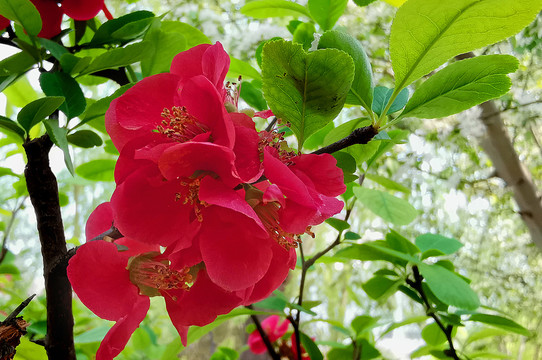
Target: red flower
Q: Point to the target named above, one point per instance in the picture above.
(273, 330)
(122, 282)
(293, 347)
(184, 105)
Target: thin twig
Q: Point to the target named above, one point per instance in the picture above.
(4, 250)
(359, 136)
(271, 124)
(263, 335)
(19, 308)
(295, 324)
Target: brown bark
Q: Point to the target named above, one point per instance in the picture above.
(43, 190)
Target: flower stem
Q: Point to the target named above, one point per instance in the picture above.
(263, 334)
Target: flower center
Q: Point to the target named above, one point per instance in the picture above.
(153, 277)
(276, 140)
(179, 125)
(269, 216)
(189, 195)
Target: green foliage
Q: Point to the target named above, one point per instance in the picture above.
(261, 9)
(361, 92)
(58, 136)
(307, 90)
(38, 110)
(447, 29)
(123, 29)
(462, 85)
(326, 12)
(501, 323)
(311, 348)
(382, 96)
(22, 12)
(10, 127)
(61, 84)
(119, 57)
(97, 170)
(164, 47)
(389, 207)
(85, 139)
(443, 245)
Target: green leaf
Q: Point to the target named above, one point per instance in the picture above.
(58, 136)
(61, 84)
(361, 92)
(304, 35)
(338, 224)
(382, 96)
(93, 335)
(398, 242)
(412, 320)
(119, 57)
(251, 92)
(165, 45)
(305, 90)
(12, 68)
(433, 335)
(272, 303)
(345, 161)
(28, 350)
(73, 65)
(448, 287)
(38, 110)
(363, 2)
(396, 135)
(22, 12)
(327, 12)
(360, 152)
(488, 355)
(8, 126)
(192, 35)
(54, 48)
(363, 323)
(239, 67)
(98, 109)
(462, 85)
(388, 207)
(349, 235)
(438, 242)
(387, 183)
(85, 139)
(310, 347)
(105, 33)
(446, 29)
(261, 9)
(97, 170)
(376, 250)
(501, 323)
(380, 287)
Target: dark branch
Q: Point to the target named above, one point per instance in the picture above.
(263, 334)
(43, 192)
(18, 310)
(359, 136)
(119, 76)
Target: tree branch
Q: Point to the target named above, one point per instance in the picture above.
(359, 136)
(499, 148)
(43, 191)
(263, 335)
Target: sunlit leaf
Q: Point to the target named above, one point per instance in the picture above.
(327, 12)
(61, 84)
(97, 170)
(38, 110)
(390, 208)
(262, 9)
(501, 323)
(22, 12)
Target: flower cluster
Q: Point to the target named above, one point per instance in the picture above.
(211, 210)
(51, 12)
(274, 332)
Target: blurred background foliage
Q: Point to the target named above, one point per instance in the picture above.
(440, 169)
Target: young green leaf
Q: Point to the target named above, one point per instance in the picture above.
(165, 45)
(444, 29)
(239, 67)
(261, 9)
(311, 348)
(58, 136)
(54, 48)
(61, 84)
(97, 170)
(387, 183)
(38, 110)
(448, 287)
(85, 139)
(388, 207)
(380, 287)
(104, 34)
(433, 335)
(361, 92)
(501, 323)
(461, 85)
(304, 35)
(305, 90)
(382, 96)
(400, 243)
(438, 242)
(119, 57)
(327, 12)
(8, 127)
(22, 12)
(338, 224)
(192, 35)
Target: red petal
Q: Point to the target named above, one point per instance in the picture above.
(215, 64)
(117, 337)
(138, 111)
(200, 305)
(235, 255)
(264, 114)
(4, 23)
(145, 209)
(187, 64)
(279, 268)
(247, 156)
(203, 101)
(99, 221)
(328, 179)
(51, 17)
(99, 277)
(82, 9)
(216, 193)
(183, 160)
